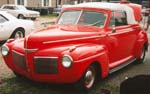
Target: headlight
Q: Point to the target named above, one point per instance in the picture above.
(5, 50)
(67, 61)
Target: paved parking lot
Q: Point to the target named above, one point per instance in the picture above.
(11, 84)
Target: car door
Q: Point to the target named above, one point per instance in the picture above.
(5, 28)
(120, 40)
(2, 21)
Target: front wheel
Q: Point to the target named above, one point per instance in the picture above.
(89, 78)
(18, 33)
(33, 19)
(20, 16)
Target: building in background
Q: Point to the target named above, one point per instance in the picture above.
(46, 6)
(30, 3)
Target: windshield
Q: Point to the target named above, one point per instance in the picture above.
(20, 8)
(90, 18)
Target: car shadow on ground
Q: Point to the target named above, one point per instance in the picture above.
(15, 85)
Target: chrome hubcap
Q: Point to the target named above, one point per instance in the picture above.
(18, 35)
(21, 17)
(89, 78)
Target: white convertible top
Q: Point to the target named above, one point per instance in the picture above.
(111, 6)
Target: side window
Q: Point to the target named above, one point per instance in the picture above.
(2, 19)
(5, 7)
(118, 18)
(9, 7)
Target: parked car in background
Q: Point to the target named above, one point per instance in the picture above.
(11, 27)
(88, 42)
(20, 11)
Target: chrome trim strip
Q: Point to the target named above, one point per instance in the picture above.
(121, 66)
(79, 16)
(45, 57)
(30, 50)
(74, 39)
(120, 32)
(17, 53)
(26, 54)
(90, 57)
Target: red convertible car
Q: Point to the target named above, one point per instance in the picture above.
(88, 42)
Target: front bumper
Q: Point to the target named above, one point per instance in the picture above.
(42, 68)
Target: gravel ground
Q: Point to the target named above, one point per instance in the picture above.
(12, 85)
(39, 23)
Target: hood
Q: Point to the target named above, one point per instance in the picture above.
(33, 12)
(64, 34)
(28, 11)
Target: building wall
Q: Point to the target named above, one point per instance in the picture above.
(53, 3)
(34, 3)
(11, 1)
(37, 3)
(3, 2)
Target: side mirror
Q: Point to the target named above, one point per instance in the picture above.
(113, 28)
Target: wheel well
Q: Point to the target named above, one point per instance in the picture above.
(19, 15)
(97, 65)
(17, 29)
(146, 46)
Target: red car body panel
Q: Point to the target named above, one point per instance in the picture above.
(85, 44)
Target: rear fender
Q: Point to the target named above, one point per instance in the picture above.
(142, 40)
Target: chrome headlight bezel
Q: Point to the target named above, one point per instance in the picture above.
(5, 50)
(67, 61)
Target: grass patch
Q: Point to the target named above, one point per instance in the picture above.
(54, 15)
(14, 85)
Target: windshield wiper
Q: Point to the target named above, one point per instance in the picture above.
(95, 23)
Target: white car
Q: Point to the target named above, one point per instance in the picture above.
(20, 11)
(11, 27)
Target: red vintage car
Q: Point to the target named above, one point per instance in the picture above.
(88, 42)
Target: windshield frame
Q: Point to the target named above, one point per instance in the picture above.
(106, 12)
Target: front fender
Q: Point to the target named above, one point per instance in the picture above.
(83, 56)
(87, 54)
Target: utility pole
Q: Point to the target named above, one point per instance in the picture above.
(78, 1)
(56, 3)
(7, 1)
(59, 2)
(148, 4)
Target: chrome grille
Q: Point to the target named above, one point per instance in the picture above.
(19, 60)
(46, 65)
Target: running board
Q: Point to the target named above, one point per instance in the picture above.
(121, 66)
